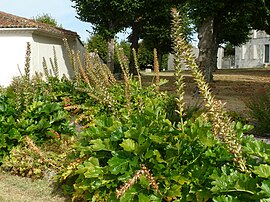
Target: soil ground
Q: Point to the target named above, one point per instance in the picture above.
(232, 86)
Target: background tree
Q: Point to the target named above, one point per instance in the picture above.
(107, 17)
(110, 17)
(48, 19)
(98, 42)
(145, 55)
(220, 21)
(158, 35)
(150, 20)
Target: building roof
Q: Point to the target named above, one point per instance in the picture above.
(12, 21)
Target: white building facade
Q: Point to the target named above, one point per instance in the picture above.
(195, 52)
(16, 32)
(254, 53)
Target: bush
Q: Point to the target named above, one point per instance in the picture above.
(260, 112)
(139, 155)
(30, 160)
(135, 153)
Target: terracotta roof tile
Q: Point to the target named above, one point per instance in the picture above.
(12, 21)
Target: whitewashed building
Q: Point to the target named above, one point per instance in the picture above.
(195, 52)
(16, 31)
(254, 53)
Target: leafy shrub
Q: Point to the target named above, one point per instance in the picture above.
(135, 153)
(238, 117)
(260, 111)
(9, 134)
(41, 121)
(117, 152)
(29, 160)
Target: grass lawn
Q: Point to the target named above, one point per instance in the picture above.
(19, 189)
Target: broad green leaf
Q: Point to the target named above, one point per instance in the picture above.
(143, 198)
(203, 195)
(265, 200)
(154, 198)
(224, 198)
(239, 125)
(265, 188)
(262, 170)
(90, 168)
(129, 145)
(118, 164)
(117, 134)
(175, 191)
(156, 139)
(98, 145)
(158, 156)
(128, 196)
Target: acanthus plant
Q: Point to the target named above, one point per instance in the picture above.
(206, 158)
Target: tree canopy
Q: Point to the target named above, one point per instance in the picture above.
(110, 17)
(47, 19)
(220, 21)
(217, 22)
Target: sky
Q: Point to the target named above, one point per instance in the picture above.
(60, 10)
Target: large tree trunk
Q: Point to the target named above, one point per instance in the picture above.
(207, 60)
(134, 44)
(110, 56)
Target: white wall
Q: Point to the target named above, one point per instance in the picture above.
(13, 51)
(195, 52)
(252, 54)
(43, 47)
(12, 55)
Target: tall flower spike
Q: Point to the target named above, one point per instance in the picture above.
(138, 174)
(26, 77)
(124, 66)
(137, 66)
(178, 64)
(222, 125)
(156, 69)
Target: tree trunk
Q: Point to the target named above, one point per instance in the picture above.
(207, 60)
(110, 57)
(134, 44)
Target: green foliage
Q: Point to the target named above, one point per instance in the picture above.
(98, 43)
(260, 111)
(131, 146)
(189, 165)
(38, 162)
(47, 19)
(41, 118)
(145, 56)
(133, 152)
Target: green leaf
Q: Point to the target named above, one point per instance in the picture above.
(265, 200)
(156, 139)
(90, 168)
(129, 145)
(128, 195)
(224, 198)
(265, 188)
(143, 198)
(262, 170)
(159, 157)
(99, 145)
(118, 164)
(154, 198)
